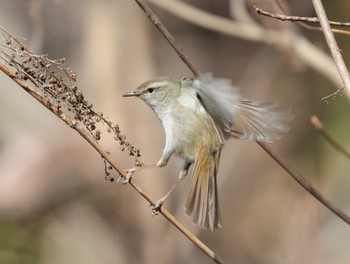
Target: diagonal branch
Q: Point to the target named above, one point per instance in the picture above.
(305, 184)
(289, 169)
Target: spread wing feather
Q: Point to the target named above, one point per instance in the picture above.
(238, 117)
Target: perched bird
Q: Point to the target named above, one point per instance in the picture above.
(198, 115)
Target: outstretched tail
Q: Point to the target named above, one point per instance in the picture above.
(202, 200)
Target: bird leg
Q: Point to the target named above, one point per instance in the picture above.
(161, 163)
(131, 171)
(160, 202)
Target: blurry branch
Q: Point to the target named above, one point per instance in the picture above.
(333, 45)
(283, 39)
(320, 129)
(55, 87)
(239, 11)
(290, 170)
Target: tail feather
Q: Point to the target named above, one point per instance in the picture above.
(202, 201)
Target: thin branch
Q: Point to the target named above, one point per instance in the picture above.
(289, 169)
(57, 107)
(298, 18)
(301, 21)
(332, 44)
(306, 185)
(332, 95)
(315, 121)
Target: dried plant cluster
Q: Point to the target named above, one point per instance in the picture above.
(54, 86)
(58, 85)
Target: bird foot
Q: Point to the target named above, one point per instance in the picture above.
(129, 173)
(157, 206)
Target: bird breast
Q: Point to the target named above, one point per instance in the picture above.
(187, 125)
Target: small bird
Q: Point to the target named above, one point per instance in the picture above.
(198, 115)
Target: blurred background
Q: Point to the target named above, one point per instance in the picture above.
(56, 207)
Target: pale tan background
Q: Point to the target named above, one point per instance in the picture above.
(55, 206)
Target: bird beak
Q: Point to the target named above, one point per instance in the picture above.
(132, 93)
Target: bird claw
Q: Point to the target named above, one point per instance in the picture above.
(155, 211)
(157, 206)
(129, 172)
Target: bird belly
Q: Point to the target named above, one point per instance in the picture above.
(188, 129)
(192, 132)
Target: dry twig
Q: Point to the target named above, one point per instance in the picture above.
(284, 17)
(301, 20)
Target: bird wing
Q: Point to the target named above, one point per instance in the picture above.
(260, 121)
(217, 95)
(238, 117)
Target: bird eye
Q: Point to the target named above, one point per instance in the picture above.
(150, 90)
